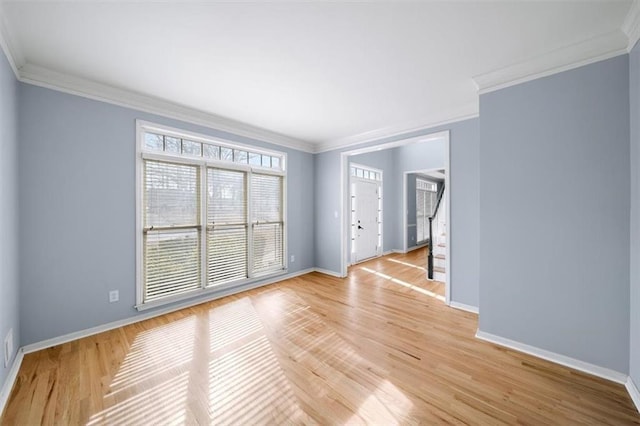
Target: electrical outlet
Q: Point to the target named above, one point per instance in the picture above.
(8, 347)
(293, 258)
(114, 296)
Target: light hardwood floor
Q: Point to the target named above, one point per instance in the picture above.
(379, 347)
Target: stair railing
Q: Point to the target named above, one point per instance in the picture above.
(431, 245)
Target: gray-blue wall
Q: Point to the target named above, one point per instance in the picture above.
(554, 213)
(9, 289)
(634, 90)
(464, 232)
(421, 156)
(326, 228)
(76, 162)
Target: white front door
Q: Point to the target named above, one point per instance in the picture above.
(365, 199)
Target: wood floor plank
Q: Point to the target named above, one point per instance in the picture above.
(379, 347)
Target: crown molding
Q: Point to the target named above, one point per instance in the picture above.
(43, 77)
(447, 117)
(631, 25)
(576, 55)
(9, 45)
(589, 51)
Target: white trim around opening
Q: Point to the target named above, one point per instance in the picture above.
(344, 197)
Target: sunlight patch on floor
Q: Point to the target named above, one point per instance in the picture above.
(378, 408)
(405, 264)
(241, 378)
(404, 284)
(334, 362)
(168, 346)
(231, 323)
(163, 404)
(247, 385)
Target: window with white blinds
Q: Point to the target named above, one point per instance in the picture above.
(426, 197)
(267, 223)
(205, 222)
(227, 249)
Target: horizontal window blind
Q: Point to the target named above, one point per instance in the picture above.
(226, 254)
(226, 196)
(426, 197)
(171, 194)
(420, 215)
(171, 233)
(227, 226)
(172, 263)
(266, 196)
(267, 248)
(268, 230)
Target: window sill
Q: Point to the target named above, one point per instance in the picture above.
(220, 290)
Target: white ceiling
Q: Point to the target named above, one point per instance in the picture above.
(326, 73)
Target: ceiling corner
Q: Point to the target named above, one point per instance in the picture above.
(9, 45)
(631, 24)
(569, 57)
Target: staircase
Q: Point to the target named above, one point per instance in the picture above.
(440, 254)
(438, 248)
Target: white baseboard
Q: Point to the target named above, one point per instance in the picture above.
(605, 373)
(5, 392)
(633, 392)
(33, 347)
(464, 307)
(328, 272)
(410, 249)
(416, 247)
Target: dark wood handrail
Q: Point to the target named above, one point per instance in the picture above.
(430, 255)
(440, 194)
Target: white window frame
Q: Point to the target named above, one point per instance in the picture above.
(143, 127)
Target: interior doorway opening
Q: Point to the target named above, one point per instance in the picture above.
(402, 156)
(426, 218)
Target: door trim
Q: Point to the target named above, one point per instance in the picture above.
(379, 183)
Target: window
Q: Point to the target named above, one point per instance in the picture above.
(426, 198)
(210, 214)
(365, 173)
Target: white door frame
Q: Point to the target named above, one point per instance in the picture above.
(344, 198)
(352, 180)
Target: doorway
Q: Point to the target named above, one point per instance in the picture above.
(366, 212)
(411, 159)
